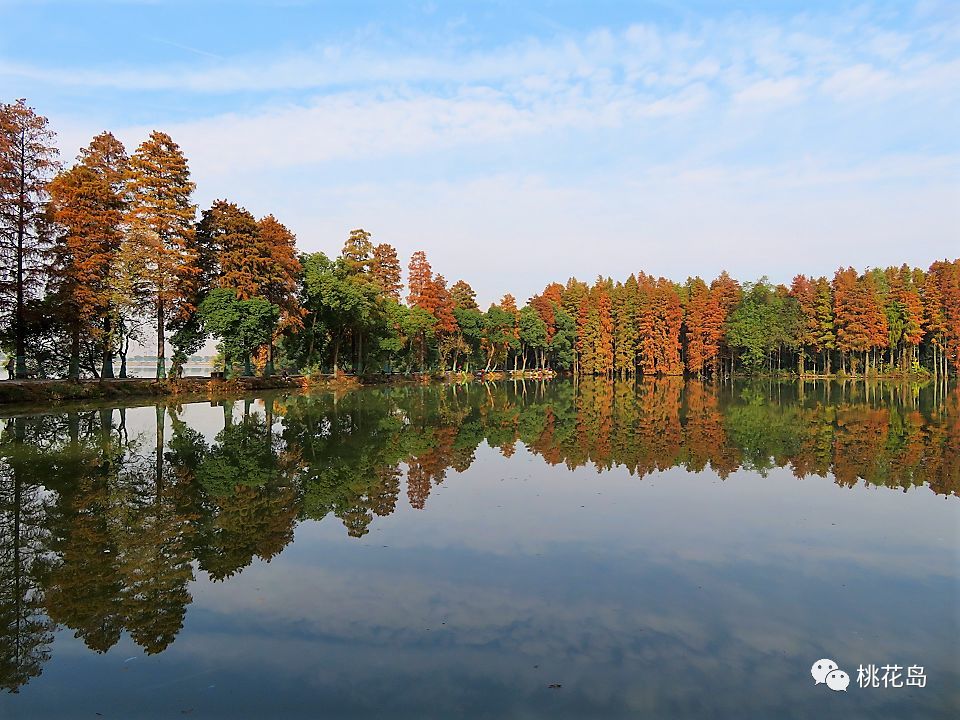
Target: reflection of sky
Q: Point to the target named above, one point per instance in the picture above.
(678, 595)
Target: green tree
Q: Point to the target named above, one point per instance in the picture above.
(242, 325)
(533, 336)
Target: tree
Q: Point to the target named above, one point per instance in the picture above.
(335, 302)
(725, 293)
(533, 336)
(760, 324)
(229, 254)
(278, 281)
(696, 318)
(463, 296)
(27, 160)
(498, 334)
(385, 267)
(243, 325)
(419, 279)
(87, 213)
(107, 157)
(564, 338)
(446, 328)
(357, 252)
(161, 217)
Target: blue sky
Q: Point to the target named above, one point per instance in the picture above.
(521, 142)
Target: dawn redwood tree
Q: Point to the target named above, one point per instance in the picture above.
(851, 335)
(725, 293)
(87, 214)
(28, 159)
(624, 303)
(545, 304)
(161, 217)
(108, 158)
(278, 283)
(446, 328)
(803, 291)
(419, 278)
(229, 253)
(695, 325)
(464, 298)
(385, 267)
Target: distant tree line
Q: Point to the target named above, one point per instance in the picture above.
(93, 255)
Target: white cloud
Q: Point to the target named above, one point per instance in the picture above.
(674, 151)
(772, 92)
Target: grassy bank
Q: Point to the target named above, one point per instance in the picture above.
(55, 392)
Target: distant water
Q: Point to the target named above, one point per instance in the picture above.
(510, 550)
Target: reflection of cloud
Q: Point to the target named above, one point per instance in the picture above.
(433, 616)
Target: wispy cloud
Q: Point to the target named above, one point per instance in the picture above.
(687, 146)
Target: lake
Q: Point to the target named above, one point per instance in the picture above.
(503, 550)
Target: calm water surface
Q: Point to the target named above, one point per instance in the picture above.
(517, 550)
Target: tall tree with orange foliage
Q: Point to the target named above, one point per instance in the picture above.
(544, 303)
(278, 283)
(595, 331)
(942, 314)
(804, 292)
(725, 293)
(87, 213)
(446, 326)
(108, 158)
(697, 312)
(860, 319)
(161, 217)
(386, 270)
(419, 277)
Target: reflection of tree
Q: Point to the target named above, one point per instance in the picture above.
(704, 433)
(84, 584)
(98, 532)
(25, 631)
(247, 502)
(154, 523)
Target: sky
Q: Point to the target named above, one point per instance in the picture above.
(519, 143)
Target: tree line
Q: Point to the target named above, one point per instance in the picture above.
(110, 250)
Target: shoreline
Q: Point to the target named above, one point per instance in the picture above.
(14, 393)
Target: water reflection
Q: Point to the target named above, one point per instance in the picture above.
(102, 528)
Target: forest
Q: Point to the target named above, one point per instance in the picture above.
(111, 252)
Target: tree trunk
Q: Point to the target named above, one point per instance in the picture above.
(74, 371)
(20, 330)
(268, 368)
(161, 350)
(336, 352)
(106, 365)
